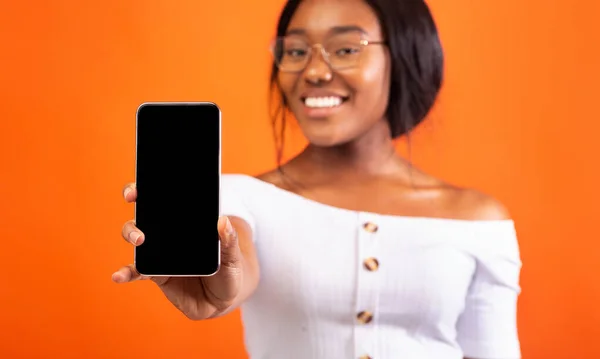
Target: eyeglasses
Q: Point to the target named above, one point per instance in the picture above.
(293, 53)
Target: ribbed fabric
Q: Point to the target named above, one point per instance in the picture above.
(436, 289)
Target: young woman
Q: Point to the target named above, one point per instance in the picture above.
(346, 251)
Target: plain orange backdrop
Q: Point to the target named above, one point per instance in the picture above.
(518, 118)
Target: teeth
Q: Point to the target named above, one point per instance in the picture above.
(320, 102)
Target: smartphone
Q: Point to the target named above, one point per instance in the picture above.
(177, 176)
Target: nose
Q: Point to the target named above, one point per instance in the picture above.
(317, 70)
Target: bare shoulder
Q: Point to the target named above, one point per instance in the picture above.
(272, 176)
(475, 205)
(461, 202)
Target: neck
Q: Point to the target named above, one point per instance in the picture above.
(371, 155)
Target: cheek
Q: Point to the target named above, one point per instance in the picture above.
(287, 83)
(372, 84)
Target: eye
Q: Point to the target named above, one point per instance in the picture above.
(295, 52)
(346, 51)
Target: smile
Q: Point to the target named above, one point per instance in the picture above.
(323, 102)
(322, 106)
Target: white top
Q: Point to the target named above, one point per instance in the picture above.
(443, 288)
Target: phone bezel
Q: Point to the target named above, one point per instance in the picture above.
(178, 103)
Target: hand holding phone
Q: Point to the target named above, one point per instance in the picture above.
(179, 239)
(197, 298)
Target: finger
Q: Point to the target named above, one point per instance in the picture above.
(130, 192)
(230, 251)
(127, 274)
(132, 234)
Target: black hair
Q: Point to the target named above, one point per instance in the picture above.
(416, 53)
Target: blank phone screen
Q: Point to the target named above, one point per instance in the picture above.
(177, 179)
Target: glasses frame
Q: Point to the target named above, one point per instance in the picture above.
(363, 43)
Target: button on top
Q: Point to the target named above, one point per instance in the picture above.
(370, 227)
(364, 317)
(371, 264)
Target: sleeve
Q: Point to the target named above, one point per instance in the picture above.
(487, 328)
(233, 203)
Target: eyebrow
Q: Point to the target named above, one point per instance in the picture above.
(333, 31)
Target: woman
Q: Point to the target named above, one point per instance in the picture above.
(346, 251)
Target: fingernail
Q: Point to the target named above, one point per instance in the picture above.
(126, 192)
(228, 227)
(116, 277)
(134, 237)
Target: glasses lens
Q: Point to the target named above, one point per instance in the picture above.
(344, 50)
(291, 54)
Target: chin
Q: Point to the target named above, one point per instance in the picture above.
(325, 127)
(322, 137)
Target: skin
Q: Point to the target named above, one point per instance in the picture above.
(350, 163)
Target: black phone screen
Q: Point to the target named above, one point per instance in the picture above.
(178, 170)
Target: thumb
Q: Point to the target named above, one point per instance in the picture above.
(230, 251)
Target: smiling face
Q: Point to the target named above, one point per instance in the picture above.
(339, 94)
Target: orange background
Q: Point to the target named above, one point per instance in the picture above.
(518, 119)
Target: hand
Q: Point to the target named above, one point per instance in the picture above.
(198, 297)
